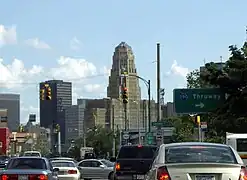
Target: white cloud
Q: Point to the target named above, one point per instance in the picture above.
(75, 44)
(96, 88)
(178, 70)
(7, 35)
(16, 77)
(37, 44)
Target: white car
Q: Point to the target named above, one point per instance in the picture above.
(67, 169)
(32, 153)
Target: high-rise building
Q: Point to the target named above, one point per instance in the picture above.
(11, 102)
(52, 111)
(124, 61)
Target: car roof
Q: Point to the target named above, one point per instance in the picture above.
(91, 160)
(193, 144)
(31, 152)
(139, 145)
(63, 160)
(29, 157)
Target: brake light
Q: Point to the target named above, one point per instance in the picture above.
(243, 174)
(139, 146)
(162, 174)
(72, 172)
(38, 176)
(9, 177)
(117, 166)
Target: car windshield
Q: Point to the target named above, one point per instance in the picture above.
(199, 154)
(26, 163)
(107, 163)
(62, 164)
(136, 152)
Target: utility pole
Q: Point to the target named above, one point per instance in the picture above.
(114, 133)
(149, 106)
(158, 83)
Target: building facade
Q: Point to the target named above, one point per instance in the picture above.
(74, 122)
(11, 102)
(52, 111)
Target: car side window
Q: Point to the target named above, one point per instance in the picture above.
(85, 164)
(96, 164)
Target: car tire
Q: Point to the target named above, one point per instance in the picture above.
(111, 176)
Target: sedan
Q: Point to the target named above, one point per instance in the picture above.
(26, 168)
(197, 161)
(67, 169)
(96, 169)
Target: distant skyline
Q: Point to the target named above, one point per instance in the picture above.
(74, 41)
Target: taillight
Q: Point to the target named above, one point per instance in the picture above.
(9, 177)
(117, 166)
(72, 171)
(243, 174)
(38, 177)
(162, 174)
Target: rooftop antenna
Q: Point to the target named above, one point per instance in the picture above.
(204, 61)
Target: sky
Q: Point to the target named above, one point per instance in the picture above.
(74, 41)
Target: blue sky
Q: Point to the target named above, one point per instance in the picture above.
(189, 32)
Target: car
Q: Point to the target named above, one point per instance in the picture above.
(3, 161)
(32, 153)
(26, 168)
(96, 169)
(67, 169)
(134, 161)
(197, 161)
(63, 158)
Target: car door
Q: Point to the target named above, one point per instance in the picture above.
(96, 170)
(85, 168)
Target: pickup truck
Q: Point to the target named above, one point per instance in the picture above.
(133, 162)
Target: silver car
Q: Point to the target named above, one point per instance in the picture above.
(26, 168)
(197, 161)
(96, 169)
(67, 170)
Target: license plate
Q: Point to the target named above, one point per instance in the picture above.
(139, 176)
(23, 177)
(205, 177)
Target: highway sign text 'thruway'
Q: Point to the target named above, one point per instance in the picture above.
(188, 101)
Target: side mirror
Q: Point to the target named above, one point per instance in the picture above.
(102, 166)
(55, 169)
(78, 167)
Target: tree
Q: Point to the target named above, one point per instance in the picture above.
(193, 79)
(232, 80)
(184, 128)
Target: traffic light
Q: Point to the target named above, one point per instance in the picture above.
(125, 95)
(42, 94)
(57, 128)
(198, 120)
(48, 93)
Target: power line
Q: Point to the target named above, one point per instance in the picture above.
(74, 79)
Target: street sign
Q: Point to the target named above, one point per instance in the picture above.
(189, 101)
(126, 135)
(149, 138)
(162, 124)
(204, 126)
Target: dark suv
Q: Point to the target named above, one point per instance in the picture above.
(133, 162)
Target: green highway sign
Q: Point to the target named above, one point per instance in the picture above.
(191, 101)
(162, 124)
(149, 138)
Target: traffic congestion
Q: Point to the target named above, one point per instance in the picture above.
(181, 161)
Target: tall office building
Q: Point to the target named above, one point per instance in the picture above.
(124, 61)
(11, 102)
(53, 111)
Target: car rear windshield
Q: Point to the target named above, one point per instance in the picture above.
(136, 152)
(32, 154)
(199, 154)
(26, 163)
